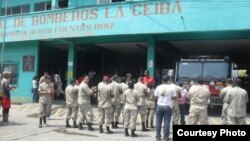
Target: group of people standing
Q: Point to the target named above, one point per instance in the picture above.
(118, 95)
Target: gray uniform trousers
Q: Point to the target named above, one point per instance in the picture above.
(142, 110)
(72, 113)
(150, 114)
(105, 115)
(236, 120)
(86, 111)
(130, 118)
(116, 111)
(175, 113)
(44, 110)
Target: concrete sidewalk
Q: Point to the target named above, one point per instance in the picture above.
(23, 126)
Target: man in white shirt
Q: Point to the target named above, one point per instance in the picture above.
(34, 89)
(165, 93)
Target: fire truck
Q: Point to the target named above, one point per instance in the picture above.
(213, 71)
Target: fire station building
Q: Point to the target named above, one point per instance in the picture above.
(72, 37)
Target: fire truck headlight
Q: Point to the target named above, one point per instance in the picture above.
(212, 83)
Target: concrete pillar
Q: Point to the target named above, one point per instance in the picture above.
(151, 56)
(1, 1)
(71, 63)
(54, 4)
(32, 7)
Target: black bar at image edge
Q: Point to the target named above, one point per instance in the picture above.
(211, 132)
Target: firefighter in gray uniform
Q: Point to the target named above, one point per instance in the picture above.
(237, 100)
(105, 105)
(150, 102)
(223, 94)
(116, 101)
(45, 93)
(85, 107)
(71, 94)
(175, 108)
(199, 96)
(142, 108)
(131, 98)
(124, 87)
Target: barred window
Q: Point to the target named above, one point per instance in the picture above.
(16, 10)
(108, 1)
(42, 6)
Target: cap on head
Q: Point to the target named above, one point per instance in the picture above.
(146, 72)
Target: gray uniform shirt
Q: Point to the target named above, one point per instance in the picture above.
(178, 92)
(130, 98)
(104, 96)
(150, 99)
(142, 89)
(117, 91)
(71, 94)
(224, 92)
(237, 99)
(44, 93)
(124, 87)
(84, 94)
(199, 96)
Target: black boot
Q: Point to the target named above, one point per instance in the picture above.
(108, 130)
(7, 116)
(40, 122)
(146, 124)
(116, 124)
(74, 125)
(67, 124)
(133, 133)
(90, 128)
(113, 125)
(151, 124)
(44, 120)
(100, 129)
(126, 132)
(4, 116)
(80, 126)
(144, 129)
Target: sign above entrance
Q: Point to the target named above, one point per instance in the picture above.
(142, 17)
(91, 21)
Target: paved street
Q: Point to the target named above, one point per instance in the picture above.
(23, 126)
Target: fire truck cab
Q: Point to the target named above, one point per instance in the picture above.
(213, 71)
